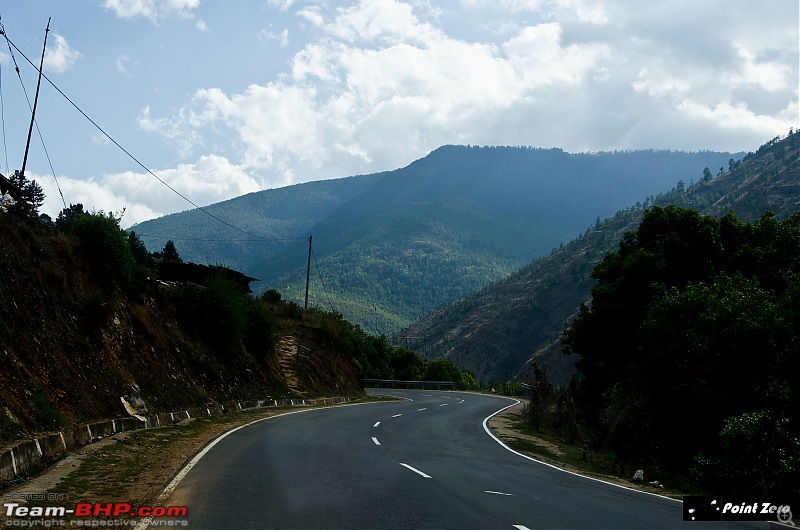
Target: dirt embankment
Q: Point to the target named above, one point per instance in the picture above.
(70, 346)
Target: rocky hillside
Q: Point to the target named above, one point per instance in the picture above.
(71, 346)
(495, 332)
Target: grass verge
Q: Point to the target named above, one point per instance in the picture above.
(132, 467)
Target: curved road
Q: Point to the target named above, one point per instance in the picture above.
(424, 462)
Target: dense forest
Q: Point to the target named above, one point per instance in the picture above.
(389, 248)
(497, 330)
(690, 349)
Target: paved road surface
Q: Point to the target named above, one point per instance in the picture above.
(425, 462)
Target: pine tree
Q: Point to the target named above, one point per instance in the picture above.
(170, 253)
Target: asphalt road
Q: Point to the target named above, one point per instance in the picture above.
(425, 462)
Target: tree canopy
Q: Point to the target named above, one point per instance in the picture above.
(689, 346)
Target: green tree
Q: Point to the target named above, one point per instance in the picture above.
(442, 370)
(138, 250)
(31, 196)
(693, 321)
(170, 253)
(67, 215)
(105, 246)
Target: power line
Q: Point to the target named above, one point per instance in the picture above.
(34, 121)
(136, 160)
(3, 116)
(259, 240)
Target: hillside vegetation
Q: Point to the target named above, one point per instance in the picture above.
(391, 247)
(690, 347)
(85, 320)
(496, 331)
(82, 325)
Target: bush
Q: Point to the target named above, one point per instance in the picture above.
(105, 246)
(224, 318)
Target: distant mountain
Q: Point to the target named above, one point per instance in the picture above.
(496, 331)
(388, 248)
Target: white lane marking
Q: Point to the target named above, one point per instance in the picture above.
(376, 441)
(507, 448)
(377, 423)
(521, 527)
(443, 405)
(396, 415)
(417, 471)
(144, 523)
(423, 408)
(499, 493)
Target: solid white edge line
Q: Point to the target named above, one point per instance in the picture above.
(376, 441)
(417, 471)
(144, 523)
(504, 446)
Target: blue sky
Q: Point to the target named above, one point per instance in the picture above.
(221, 98)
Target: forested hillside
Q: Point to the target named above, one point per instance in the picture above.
(496, 331)
(689, 350)
(389, 248)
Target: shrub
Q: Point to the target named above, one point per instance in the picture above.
(105, 246)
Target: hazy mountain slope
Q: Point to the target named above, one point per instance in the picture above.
(460, 218)
(283, 213)
(394, 246)
(497, 330)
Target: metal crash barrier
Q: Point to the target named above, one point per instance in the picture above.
(396, 383)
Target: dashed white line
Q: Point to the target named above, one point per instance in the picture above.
(443, 405)
(417, 471)
(377, 423)
(376, 441)
(423, 408)
(396, 415)
(499, 493)
(521, 527)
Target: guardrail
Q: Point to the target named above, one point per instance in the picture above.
(17, 461)
(397, 383)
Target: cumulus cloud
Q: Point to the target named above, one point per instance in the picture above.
(59, 56)
(185, 139)
(209, 180)
(151, 9)
(380, 83)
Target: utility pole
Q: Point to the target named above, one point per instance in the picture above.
(308, 270)
(35, 102)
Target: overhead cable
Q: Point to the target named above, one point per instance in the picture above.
(136, 160)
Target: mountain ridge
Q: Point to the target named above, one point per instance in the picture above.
(396, 245)
(496, 331)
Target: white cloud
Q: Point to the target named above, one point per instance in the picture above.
(282, 37)
(59, 56)
(173, 130)
(380, 83)
(151, 9)
(211, 179)
(122, 65)
(201, 25)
